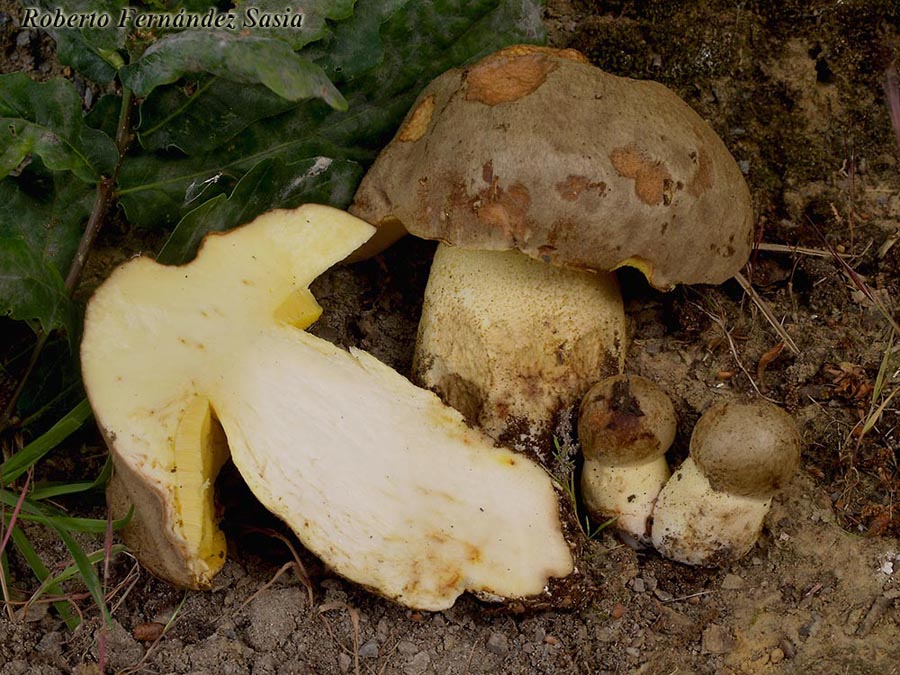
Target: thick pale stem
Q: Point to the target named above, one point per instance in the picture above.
(510, 341)
(626, 493)
(697, 525)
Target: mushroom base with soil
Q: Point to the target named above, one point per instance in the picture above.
(697, 525)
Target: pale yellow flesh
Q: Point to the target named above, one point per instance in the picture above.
(154, 341)
(382, 480)
(386, 484)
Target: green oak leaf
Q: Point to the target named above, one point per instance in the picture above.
(175, 117)
(383, 55)
(31, 290)
(245, 59)
(93, 52)
(48, 213)
(259, 16)
(45, 119)
(270, 184)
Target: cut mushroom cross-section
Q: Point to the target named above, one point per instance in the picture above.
(376, 476)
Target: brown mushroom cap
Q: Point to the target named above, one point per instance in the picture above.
(624, 420)
(747, 449)
(536, 149)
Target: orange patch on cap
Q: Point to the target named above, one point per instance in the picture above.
(652, 180)
(417, 123)
(503, 78)
(522, 50)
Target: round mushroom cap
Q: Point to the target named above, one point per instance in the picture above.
(747, 449)
(625, 420)
(535, 149)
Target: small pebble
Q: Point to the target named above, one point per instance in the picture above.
(663, 596)
(498, 644)
(406, 647)
(418, 664)
(776, 657)
(716, 640)
(147, 632)
(23, 38)
(787, 648)
(633, 651)
(550, 640)
(344, 662)
(618, 611)
(369, 650)
(733, 582)
(638, 585)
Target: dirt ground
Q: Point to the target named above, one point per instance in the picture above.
(796, 91)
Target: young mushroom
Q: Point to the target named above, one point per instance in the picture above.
(534, 157)
(625, 426)
(712, 509)
(386, 484)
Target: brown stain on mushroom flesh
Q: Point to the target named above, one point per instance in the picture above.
(652, 180)
(504, 78)
(417, 124)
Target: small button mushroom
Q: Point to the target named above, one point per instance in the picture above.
(626, 424)
(711, 511)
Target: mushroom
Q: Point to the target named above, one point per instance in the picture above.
(711, 510)
(386, 484)
(534, 153)
(625, 426)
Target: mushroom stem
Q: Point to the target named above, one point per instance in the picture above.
(626, 493)
(510, 341)
(698, 525)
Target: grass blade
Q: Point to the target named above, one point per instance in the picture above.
(63, 607)
(57, 490)
(18, 464)
(86, 570)
(72, 571)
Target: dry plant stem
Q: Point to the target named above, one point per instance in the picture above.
(105, 190)
(892, 92)
(720, 322)
(6, 535)
(770, 317)
(354, 620)
(856, 279)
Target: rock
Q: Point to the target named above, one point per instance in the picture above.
(272, 617)
(406, 647)
(122, 650)
(716, 640)
(497, 644)
(369, 650)
(418, 664)
(344, 662)
(23, 38)
(638, 585)
(663, 596)
(776, 657)
(733, 582)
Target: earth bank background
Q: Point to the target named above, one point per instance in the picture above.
(796, 90)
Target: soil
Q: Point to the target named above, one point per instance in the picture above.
(796, 90)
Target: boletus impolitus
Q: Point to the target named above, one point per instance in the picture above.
(387, 485)
(534, 158)
(711, 510)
